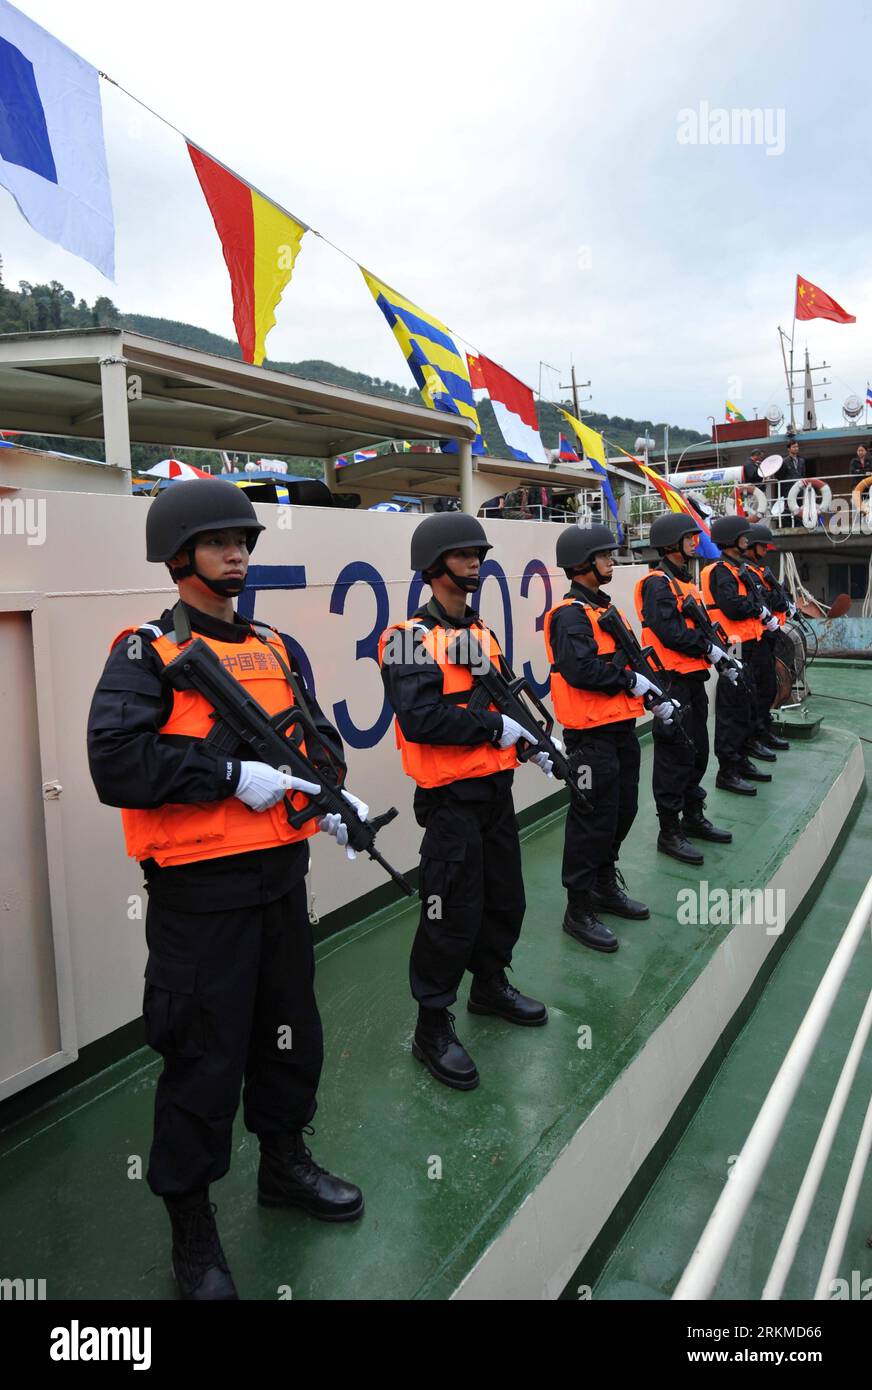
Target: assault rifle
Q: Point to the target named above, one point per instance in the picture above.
(276, 740)
(643, 660)
(691, 608)
(513, 696)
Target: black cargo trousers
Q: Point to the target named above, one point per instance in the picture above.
(471, 886)
(606, 759)
(681, 752)
(736, 710)
(229, 998)
(762, 662)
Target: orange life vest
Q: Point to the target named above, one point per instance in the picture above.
(672, 660)
(588, 709)
(737, 629)
(179, 833)
(435, 764)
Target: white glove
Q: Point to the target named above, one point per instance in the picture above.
(730, 673)
(512, 731)
(791, 611)
(261, 786)
(543, 761)
(772, 625)
(333, 824)
(716, 654)
(641, 686)
(765, 614)
(665, 712)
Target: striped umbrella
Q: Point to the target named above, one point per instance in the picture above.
(172, 468)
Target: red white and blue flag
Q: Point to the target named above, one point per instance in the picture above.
(566, 452)
(514, 408)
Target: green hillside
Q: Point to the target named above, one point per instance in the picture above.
(45, 307)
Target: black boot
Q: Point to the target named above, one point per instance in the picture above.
(755, 749)
(752, 772)
(775, 741)
(610, 895)
(199, 1264)
(696, 827)
(437, 1045)
(288, 1176)
(497, 996)
(671, 839)
(729, 779)
(582, 924)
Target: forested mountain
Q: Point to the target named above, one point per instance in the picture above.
(45, 307)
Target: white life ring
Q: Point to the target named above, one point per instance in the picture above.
(761, 501)
(816, 496)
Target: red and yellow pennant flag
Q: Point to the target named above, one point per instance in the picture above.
(260, 245)
(677, 503)
(814, 303)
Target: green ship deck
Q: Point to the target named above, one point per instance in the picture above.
(468, 1194)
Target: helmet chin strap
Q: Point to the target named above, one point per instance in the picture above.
(224, 588)
(470, 585)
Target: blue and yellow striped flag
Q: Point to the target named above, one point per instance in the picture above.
(439, 369)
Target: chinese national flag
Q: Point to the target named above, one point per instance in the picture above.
(814, 303)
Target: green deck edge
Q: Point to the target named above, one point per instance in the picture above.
(383, 1119)
(650, 1252)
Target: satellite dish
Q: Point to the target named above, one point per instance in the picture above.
(770, 465)
(852, 408)
(775, 416)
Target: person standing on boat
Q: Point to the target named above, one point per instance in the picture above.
(597, 702)
(729, 596)
(229, 989)
(861, 464)
(462, 762)
(771, 596)
(680, 762)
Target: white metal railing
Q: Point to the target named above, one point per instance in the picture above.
(780, 504)
(531, 512)
(715, 1243)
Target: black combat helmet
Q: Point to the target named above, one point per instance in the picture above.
(726, 530)
(185, 509)
(758, 534)
(443, 531)
(577, 545)
(668, 531)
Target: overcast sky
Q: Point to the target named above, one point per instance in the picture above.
(514, 168)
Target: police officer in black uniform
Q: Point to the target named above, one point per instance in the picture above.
(732, 601)
(773, 597)
(681, 752)
(231, 962)
(472, 891)
(597, 699)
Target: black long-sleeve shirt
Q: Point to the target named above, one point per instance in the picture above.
(725, 592)
(661, 613)
(573, 643)
(134, 765)
(413, 683)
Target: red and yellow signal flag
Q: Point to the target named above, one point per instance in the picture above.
(260, 243)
